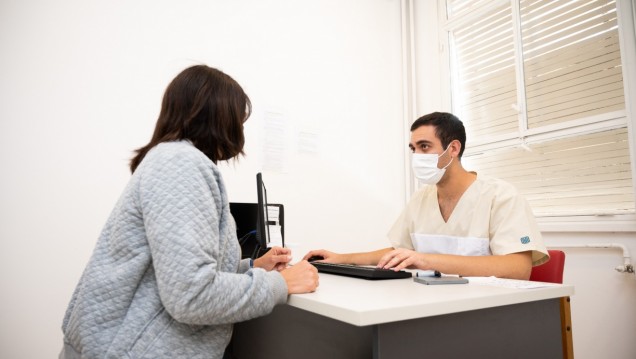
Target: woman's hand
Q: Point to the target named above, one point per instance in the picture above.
(302, 277)
(276, 258)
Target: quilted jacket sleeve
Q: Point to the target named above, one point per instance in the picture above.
(182, 202)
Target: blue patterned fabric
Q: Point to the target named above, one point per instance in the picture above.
(165, 279)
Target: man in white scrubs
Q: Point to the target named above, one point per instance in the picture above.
(459, 222)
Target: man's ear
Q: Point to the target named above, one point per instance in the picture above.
(455, 148)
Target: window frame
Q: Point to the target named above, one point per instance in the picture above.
(626, 13)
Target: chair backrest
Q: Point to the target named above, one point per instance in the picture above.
(552, 270)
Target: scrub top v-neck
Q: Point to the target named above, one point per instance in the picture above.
(491, 217)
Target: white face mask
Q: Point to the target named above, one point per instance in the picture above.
(425, 167)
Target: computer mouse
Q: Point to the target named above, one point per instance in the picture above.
(315, 258)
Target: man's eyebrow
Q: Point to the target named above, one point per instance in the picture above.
(422, 142)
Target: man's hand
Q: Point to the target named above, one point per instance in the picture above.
(327, 257)
(401, 258)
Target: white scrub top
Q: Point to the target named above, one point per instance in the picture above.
(491, 217)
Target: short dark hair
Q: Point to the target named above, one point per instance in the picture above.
(447, 128)
(205, 106)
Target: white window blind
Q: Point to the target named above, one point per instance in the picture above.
(572, 60)
(539, 87)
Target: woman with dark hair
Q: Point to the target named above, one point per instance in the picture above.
(166, 279)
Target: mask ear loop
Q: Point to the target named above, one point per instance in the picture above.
(449, 163)
(441, 154)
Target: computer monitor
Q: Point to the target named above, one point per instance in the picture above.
(268, 215)
(258, 225)
(262, 229)
(245, 217)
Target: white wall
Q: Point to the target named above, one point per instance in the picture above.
(604, 301)
(80, 88)
(604, 304)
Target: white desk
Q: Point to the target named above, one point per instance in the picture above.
(355, 318)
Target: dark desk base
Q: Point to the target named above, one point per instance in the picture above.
(526, 330)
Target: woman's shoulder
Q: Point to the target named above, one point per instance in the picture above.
(177, 152)
(176, 148)
(177, 157)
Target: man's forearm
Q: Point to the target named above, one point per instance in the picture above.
(514, 266)
(365, 258)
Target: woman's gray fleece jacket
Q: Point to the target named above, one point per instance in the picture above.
(165, 279)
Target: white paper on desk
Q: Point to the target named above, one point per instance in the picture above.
(273, 213)
(275, 236)
(509, 283)
(275, 232)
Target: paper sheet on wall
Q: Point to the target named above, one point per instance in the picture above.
(274, 141)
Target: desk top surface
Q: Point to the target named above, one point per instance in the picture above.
(363, 302)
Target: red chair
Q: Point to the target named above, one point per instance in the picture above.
(552, 270)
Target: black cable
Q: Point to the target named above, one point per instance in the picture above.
(246, 236)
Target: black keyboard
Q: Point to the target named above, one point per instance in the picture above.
(351, 270)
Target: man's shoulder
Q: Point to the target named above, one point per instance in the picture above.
(425, 190)
(490, 180)
(495, 185)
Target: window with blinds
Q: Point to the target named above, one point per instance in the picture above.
(539, 87)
